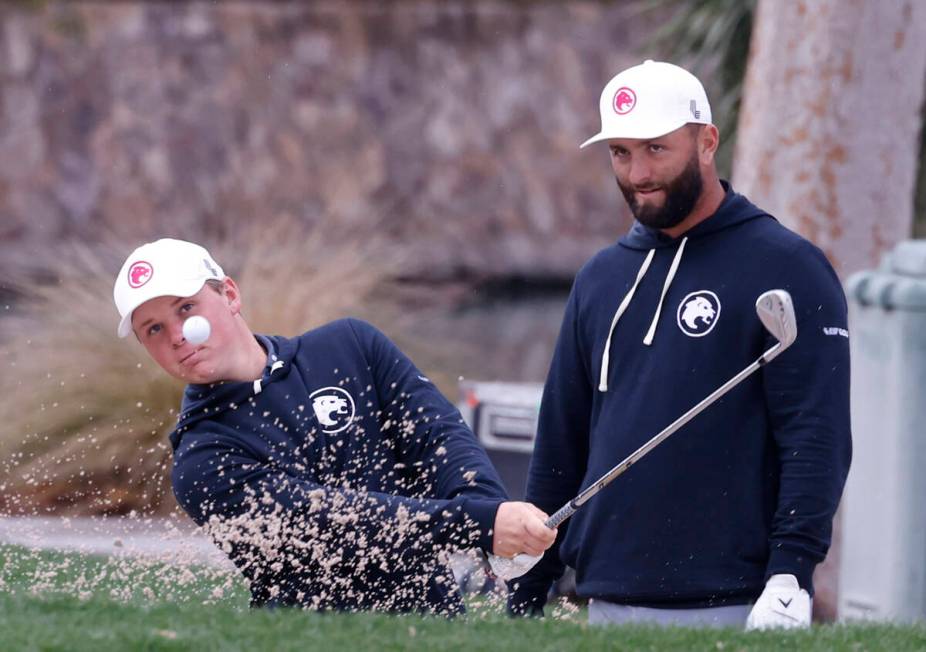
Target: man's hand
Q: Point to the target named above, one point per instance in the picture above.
(519, 527)
(783, 603)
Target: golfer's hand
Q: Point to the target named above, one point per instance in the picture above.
(519, 528)
(783, 604)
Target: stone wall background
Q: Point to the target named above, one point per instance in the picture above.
(452, 128)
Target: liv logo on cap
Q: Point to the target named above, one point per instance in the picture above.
(624, 100)
(139, 274)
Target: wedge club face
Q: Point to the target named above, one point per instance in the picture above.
(776, 311)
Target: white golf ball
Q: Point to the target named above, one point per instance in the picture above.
(196, 329)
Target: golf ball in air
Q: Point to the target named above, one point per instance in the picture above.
(196, 329)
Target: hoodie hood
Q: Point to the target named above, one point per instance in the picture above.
(734, 209)
(205, 401)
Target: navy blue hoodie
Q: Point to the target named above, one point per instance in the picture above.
(336, 479)
(750, 486)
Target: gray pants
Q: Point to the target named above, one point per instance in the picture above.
(601, 612)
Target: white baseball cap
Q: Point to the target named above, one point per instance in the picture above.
(163, 268)
(650, 100)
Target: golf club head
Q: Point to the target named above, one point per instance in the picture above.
(776, 311)
(509, 568)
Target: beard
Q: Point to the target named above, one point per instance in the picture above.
(681, 195)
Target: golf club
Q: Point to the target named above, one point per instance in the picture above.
(776, 312)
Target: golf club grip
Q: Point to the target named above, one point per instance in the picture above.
(561, 515)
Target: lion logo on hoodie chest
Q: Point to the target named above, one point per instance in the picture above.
(334, 409)
(698, 313)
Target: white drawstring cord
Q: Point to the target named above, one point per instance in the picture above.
(276, 365)
(665, 288)
(606, 354)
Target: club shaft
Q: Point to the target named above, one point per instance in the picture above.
(570, 508)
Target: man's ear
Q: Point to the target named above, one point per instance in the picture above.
(232, 295)
(708, 142)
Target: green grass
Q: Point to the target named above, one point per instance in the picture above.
(28, 574)
(180, 612)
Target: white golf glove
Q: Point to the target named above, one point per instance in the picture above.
(783, 603)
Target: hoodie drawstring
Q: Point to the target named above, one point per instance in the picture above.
(606, 354)
(258, 386)
(648, 340)
(665, 288)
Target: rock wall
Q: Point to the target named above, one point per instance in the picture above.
(450, 127)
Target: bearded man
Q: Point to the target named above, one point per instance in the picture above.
(724, 523)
